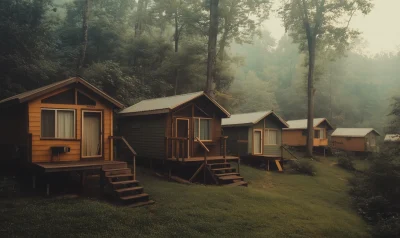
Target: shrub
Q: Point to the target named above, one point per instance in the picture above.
(302, 166)
(346, 163)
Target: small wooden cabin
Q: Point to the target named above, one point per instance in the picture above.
(355, 139)
(70, 120)
(254, 134)
(182, 129)
(392, 138)
(296, 134)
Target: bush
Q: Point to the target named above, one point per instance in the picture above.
(302, 166)
(346, 163)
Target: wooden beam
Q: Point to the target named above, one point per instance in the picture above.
(196, 173)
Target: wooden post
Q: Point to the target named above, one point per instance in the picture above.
(33, 181)
(169, 173)
(268, 164)
(134, 167)
(224, 149)
(239, 165)
(177, 150)
(48, 189)
(183, 150)
(166, 148)
(83, 178)
(205, 165)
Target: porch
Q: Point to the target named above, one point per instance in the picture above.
(49, 167)
(209, 158)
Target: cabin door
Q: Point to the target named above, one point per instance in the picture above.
(92, 143)
(257, 142)
(182, 131)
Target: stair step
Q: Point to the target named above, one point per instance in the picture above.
(125, 182)
(241, 183)
(217, 164)
(121, 190)
(117, 171)
(230, 177)
(139, 204)
(119, 175)
(115, 165)
(222, 169)
(132, 197)
(227, 174)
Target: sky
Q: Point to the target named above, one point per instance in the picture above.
(380, 28)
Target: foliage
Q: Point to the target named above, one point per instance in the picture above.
(345, 162)
(302, 166)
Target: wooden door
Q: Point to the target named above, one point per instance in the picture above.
(92, 141)
(182, 131)
(257, 142)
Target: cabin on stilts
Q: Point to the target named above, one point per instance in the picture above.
(182, 135)
(358, 140)
(65, 127)
(296, 134)
(256, 137)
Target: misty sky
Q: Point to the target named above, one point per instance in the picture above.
(380, 29)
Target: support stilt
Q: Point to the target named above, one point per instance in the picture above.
(48, 189)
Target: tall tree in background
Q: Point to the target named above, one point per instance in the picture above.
(85, 19)
(320, 25)
(212, 46)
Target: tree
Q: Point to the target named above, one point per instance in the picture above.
(212, 46)
(85, 19)
(320, 25)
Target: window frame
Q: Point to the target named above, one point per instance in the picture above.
(320, 130)
(199, 135)
(56, 123)
(266, 138)
(261, 141)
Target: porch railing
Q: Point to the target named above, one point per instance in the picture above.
(177, 144)
(121, 138)
(204, 165)
(223, 145)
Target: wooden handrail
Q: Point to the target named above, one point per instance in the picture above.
(130, 148)
(202, 144)
(125, 141)
(287, 150)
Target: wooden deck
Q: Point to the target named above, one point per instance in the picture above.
(201, 159)
(73, 166)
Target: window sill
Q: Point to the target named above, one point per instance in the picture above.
(58, 139)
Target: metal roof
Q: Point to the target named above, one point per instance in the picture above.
(165, 104)
(392, 138)
(302, 124)
(29, 95)
(353, 132)
(249, 119)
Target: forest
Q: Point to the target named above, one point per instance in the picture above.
(143, 49)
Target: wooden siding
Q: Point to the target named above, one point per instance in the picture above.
(237, 142)
(294, 138)
(146, 134)
(41, 147)
(356, 144)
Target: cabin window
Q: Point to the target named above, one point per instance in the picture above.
(270, 137)
(58, 123)
(319, 134)
(67, 97)
(202, 128)
(82, 99)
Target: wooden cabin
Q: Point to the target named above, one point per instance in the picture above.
(64, 126)
(296, 134)
(392, 138)
(255, 135)
(180, 129)
(355, 139)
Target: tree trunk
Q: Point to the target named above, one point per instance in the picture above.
(176, 39)
(221, 52)
(82, 53)
(212, 45)
(310, 94)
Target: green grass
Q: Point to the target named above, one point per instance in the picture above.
(274, 205)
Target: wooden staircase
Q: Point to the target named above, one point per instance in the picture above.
(119, 180)
(224, 174)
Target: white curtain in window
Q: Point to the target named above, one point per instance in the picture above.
(65, 124)
(205, 129)
(272, 137)
(91, 135)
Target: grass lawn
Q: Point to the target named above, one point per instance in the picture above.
(274, 205)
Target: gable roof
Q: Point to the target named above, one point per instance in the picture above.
(32, 94)
(165, 104)
(392, 138)
(353, 132)
(302, 124)
(250, 119)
